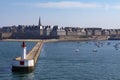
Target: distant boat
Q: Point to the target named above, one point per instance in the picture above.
(94, 50)
(76, 50)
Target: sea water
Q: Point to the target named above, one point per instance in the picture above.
(61, 61)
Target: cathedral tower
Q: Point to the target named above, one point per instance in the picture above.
(41, 27)
(39, 24)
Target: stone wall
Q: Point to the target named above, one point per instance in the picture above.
(5, 35)
(25, 36)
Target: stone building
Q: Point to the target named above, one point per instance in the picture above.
(89, 32)
(81, 32)
(61, 32)
(118, 31)
(47, 30)
(6, 29)
(20, 28)
(112, 32)
(93, 31)
(105, 32)
(72, 31)
(53, 33)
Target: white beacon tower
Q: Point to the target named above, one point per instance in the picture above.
(24, 51)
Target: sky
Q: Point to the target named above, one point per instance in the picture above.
(73, 13)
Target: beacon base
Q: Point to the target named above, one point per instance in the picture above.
(22, 69)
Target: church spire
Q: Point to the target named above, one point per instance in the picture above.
(39, 24)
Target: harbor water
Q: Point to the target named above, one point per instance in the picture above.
(89, 60)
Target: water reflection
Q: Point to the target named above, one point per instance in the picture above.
(22, 76)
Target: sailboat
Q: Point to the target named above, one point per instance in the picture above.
(76, 50)
(94, 50)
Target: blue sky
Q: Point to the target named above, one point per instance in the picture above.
(75, 13)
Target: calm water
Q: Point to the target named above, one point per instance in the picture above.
(66, 61)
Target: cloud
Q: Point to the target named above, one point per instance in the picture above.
(111, 7)
(116, 7)
(66, 4)
(72, 4)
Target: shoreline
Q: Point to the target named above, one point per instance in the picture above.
(53, 40)
(21, 40)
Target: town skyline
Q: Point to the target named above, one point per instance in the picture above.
(72, 13)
